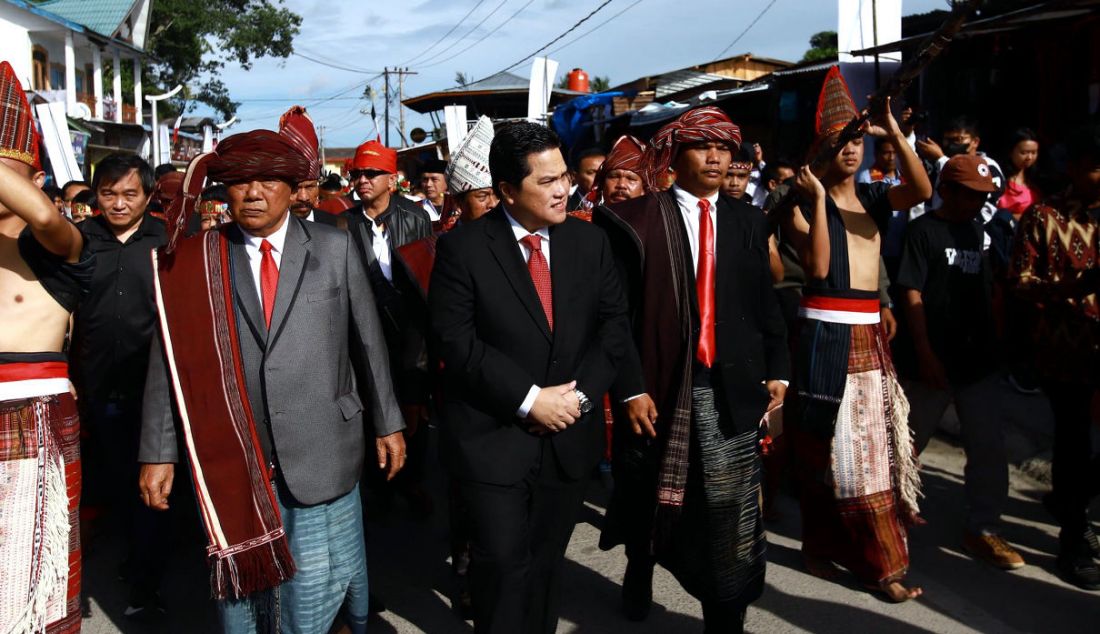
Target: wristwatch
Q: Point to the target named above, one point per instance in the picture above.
(586, 405)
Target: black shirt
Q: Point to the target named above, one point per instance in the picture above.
(945, 261)
(116, 322)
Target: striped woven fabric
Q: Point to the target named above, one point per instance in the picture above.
(18, 133)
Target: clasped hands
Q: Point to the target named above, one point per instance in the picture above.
(556, 407)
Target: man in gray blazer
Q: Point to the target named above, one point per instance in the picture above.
(303, 394)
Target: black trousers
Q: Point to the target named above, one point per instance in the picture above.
(1075, 472)
(110, 477)
(519, 534)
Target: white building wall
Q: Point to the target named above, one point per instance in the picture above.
(15, 43)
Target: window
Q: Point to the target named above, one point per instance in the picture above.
(57, 77)
(40, 62)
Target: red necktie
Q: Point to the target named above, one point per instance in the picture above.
(704, 286)
(269, 280)
(540, 275)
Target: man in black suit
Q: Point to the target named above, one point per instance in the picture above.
(712, 345)
(529, 315)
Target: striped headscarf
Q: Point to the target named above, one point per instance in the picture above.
(694, 126)
(627, 154)
(18, 132)
(255, 155)
(297, 126)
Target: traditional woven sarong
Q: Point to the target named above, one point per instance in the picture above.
(718, 546)
(859, 483)
(39, 496)
(326, 541)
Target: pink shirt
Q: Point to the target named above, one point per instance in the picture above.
(1018, 198)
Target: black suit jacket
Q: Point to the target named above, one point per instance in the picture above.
(332, 220)
(495, 343)
(750, 335)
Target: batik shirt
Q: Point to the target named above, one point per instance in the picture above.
(1054, 243)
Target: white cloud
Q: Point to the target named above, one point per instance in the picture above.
(652, 37)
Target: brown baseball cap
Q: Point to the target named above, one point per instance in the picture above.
(970, 171)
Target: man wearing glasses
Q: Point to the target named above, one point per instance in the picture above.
(379, 224)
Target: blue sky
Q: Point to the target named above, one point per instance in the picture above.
(640, 37)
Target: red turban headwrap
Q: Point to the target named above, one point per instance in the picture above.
(248, 156)
(168, 187)
(694, 126)
(626, 154)
(297, 126)
(372, 155)
(18, 132)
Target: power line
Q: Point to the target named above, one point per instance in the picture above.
(482, 39)
(336, 66)
(589, 32)
(558, 38)
(445, 35)
(467, 34)
(747, 28)
(319, 101)
(284, 99)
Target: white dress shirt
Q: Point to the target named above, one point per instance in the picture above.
(521, 233)
(433, 213)
(381, 247)
(255, 257)
(689, 211)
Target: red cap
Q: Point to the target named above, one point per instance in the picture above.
(372, 155)
(970, 171)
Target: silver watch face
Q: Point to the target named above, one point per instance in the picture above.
(586, 407)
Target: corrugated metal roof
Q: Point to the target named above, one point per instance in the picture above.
(101, 16)
(681, 80)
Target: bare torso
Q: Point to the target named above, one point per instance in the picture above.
(32, 320)
(864, 244)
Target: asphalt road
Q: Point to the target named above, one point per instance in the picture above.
(410, 571)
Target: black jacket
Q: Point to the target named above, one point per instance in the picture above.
(405, 222)
(495, 343)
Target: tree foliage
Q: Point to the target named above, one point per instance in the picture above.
(823, 47)
(191, 42)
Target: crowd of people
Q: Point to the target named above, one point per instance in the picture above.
(257, 341)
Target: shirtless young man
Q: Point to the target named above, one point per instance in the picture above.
(42, 276)
(849, 403)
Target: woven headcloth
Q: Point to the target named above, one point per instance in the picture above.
(627, 154)
(255, 155)
(18, 133)
(469, 166)
(297, 126)
(835, 107)
(694, 126)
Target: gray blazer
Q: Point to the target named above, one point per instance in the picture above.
(310, 376)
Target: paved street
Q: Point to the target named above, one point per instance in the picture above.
(409, 570)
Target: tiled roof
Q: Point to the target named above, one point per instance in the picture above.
(101, 16)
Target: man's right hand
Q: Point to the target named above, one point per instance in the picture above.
(555, 408)
(155, 482)
(642, 412)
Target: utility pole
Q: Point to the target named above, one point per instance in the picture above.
(386, 73)
(321, 143)
(400, 105)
